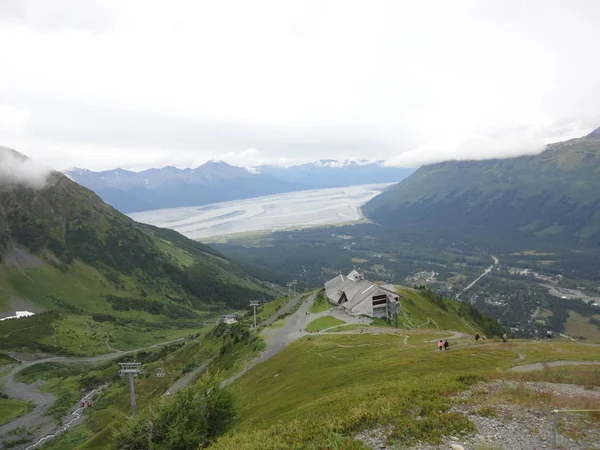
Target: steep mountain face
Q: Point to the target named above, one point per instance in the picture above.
(62, 248)
(214, 182)
(552, 197)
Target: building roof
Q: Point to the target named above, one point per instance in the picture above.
(356, 289)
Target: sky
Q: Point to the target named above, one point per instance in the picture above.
(135, 84)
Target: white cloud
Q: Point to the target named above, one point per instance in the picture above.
(13, 120)
(15, 169)
(499, 144)
(138, 83)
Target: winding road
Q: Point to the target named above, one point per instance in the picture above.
(46, 429)
(31, 392)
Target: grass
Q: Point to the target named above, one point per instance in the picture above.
(66, 381)
(10, 409)
(543, 351)
(526, 397)
(488, 411)
(322, 323)
(79, 295)
(579, 326)
(75, 437)
(581, 375)
(362, 381)
(28, 333)
(354, 326)
(359, 260)
(270, 308)
(5, 359)
(355, 383)
(416, 310)
(278, 323)
(321, 303)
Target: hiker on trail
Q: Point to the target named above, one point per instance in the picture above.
(440, 344)
(446, 344)
(477, 337)
(549, 334)
(504, 337)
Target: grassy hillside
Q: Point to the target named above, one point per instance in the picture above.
(62, 249)
(322, 390)
(553, 197)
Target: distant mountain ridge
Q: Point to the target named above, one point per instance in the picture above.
(328, 173)
(216, 181)
(552, 197)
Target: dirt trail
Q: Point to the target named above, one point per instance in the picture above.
(188, 378)
(278, 338)
(542, 366)
(43, 401)
(285, 309)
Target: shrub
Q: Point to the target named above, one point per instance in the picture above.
(192, 418)
(488, 411)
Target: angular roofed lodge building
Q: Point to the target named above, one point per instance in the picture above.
(358, 296)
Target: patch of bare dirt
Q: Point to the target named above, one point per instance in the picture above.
(509, 426)
(19, 257)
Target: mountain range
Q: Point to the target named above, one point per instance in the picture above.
(215, 182)
(550, 198)
(63, 249)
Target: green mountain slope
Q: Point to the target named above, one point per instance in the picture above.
(63, 249)
(553, 197)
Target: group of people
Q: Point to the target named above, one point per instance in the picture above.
(444, 344)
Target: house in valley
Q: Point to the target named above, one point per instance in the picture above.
(229, 319)
(362, 297)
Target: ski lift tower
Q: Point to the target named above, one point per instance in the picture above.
(131, 369)
(254, 304)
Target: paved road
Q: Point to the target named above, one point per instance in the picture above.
(542, 366)
(486, 271)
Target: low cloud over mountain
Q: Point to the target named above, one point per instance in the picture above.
(18, 169)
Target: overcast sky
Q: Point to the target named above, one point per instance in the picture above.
(137, 84)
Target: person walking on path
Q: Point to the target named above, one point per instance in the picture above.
(504, 338)
(446, 344)
(440, 344)
(477, 337)
(549, 334)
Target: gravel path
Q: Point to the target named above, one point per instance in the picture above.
(542, 366)
(36, 420)
(278, 338)
(514, 427)
(188, 378)
(285, 309)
